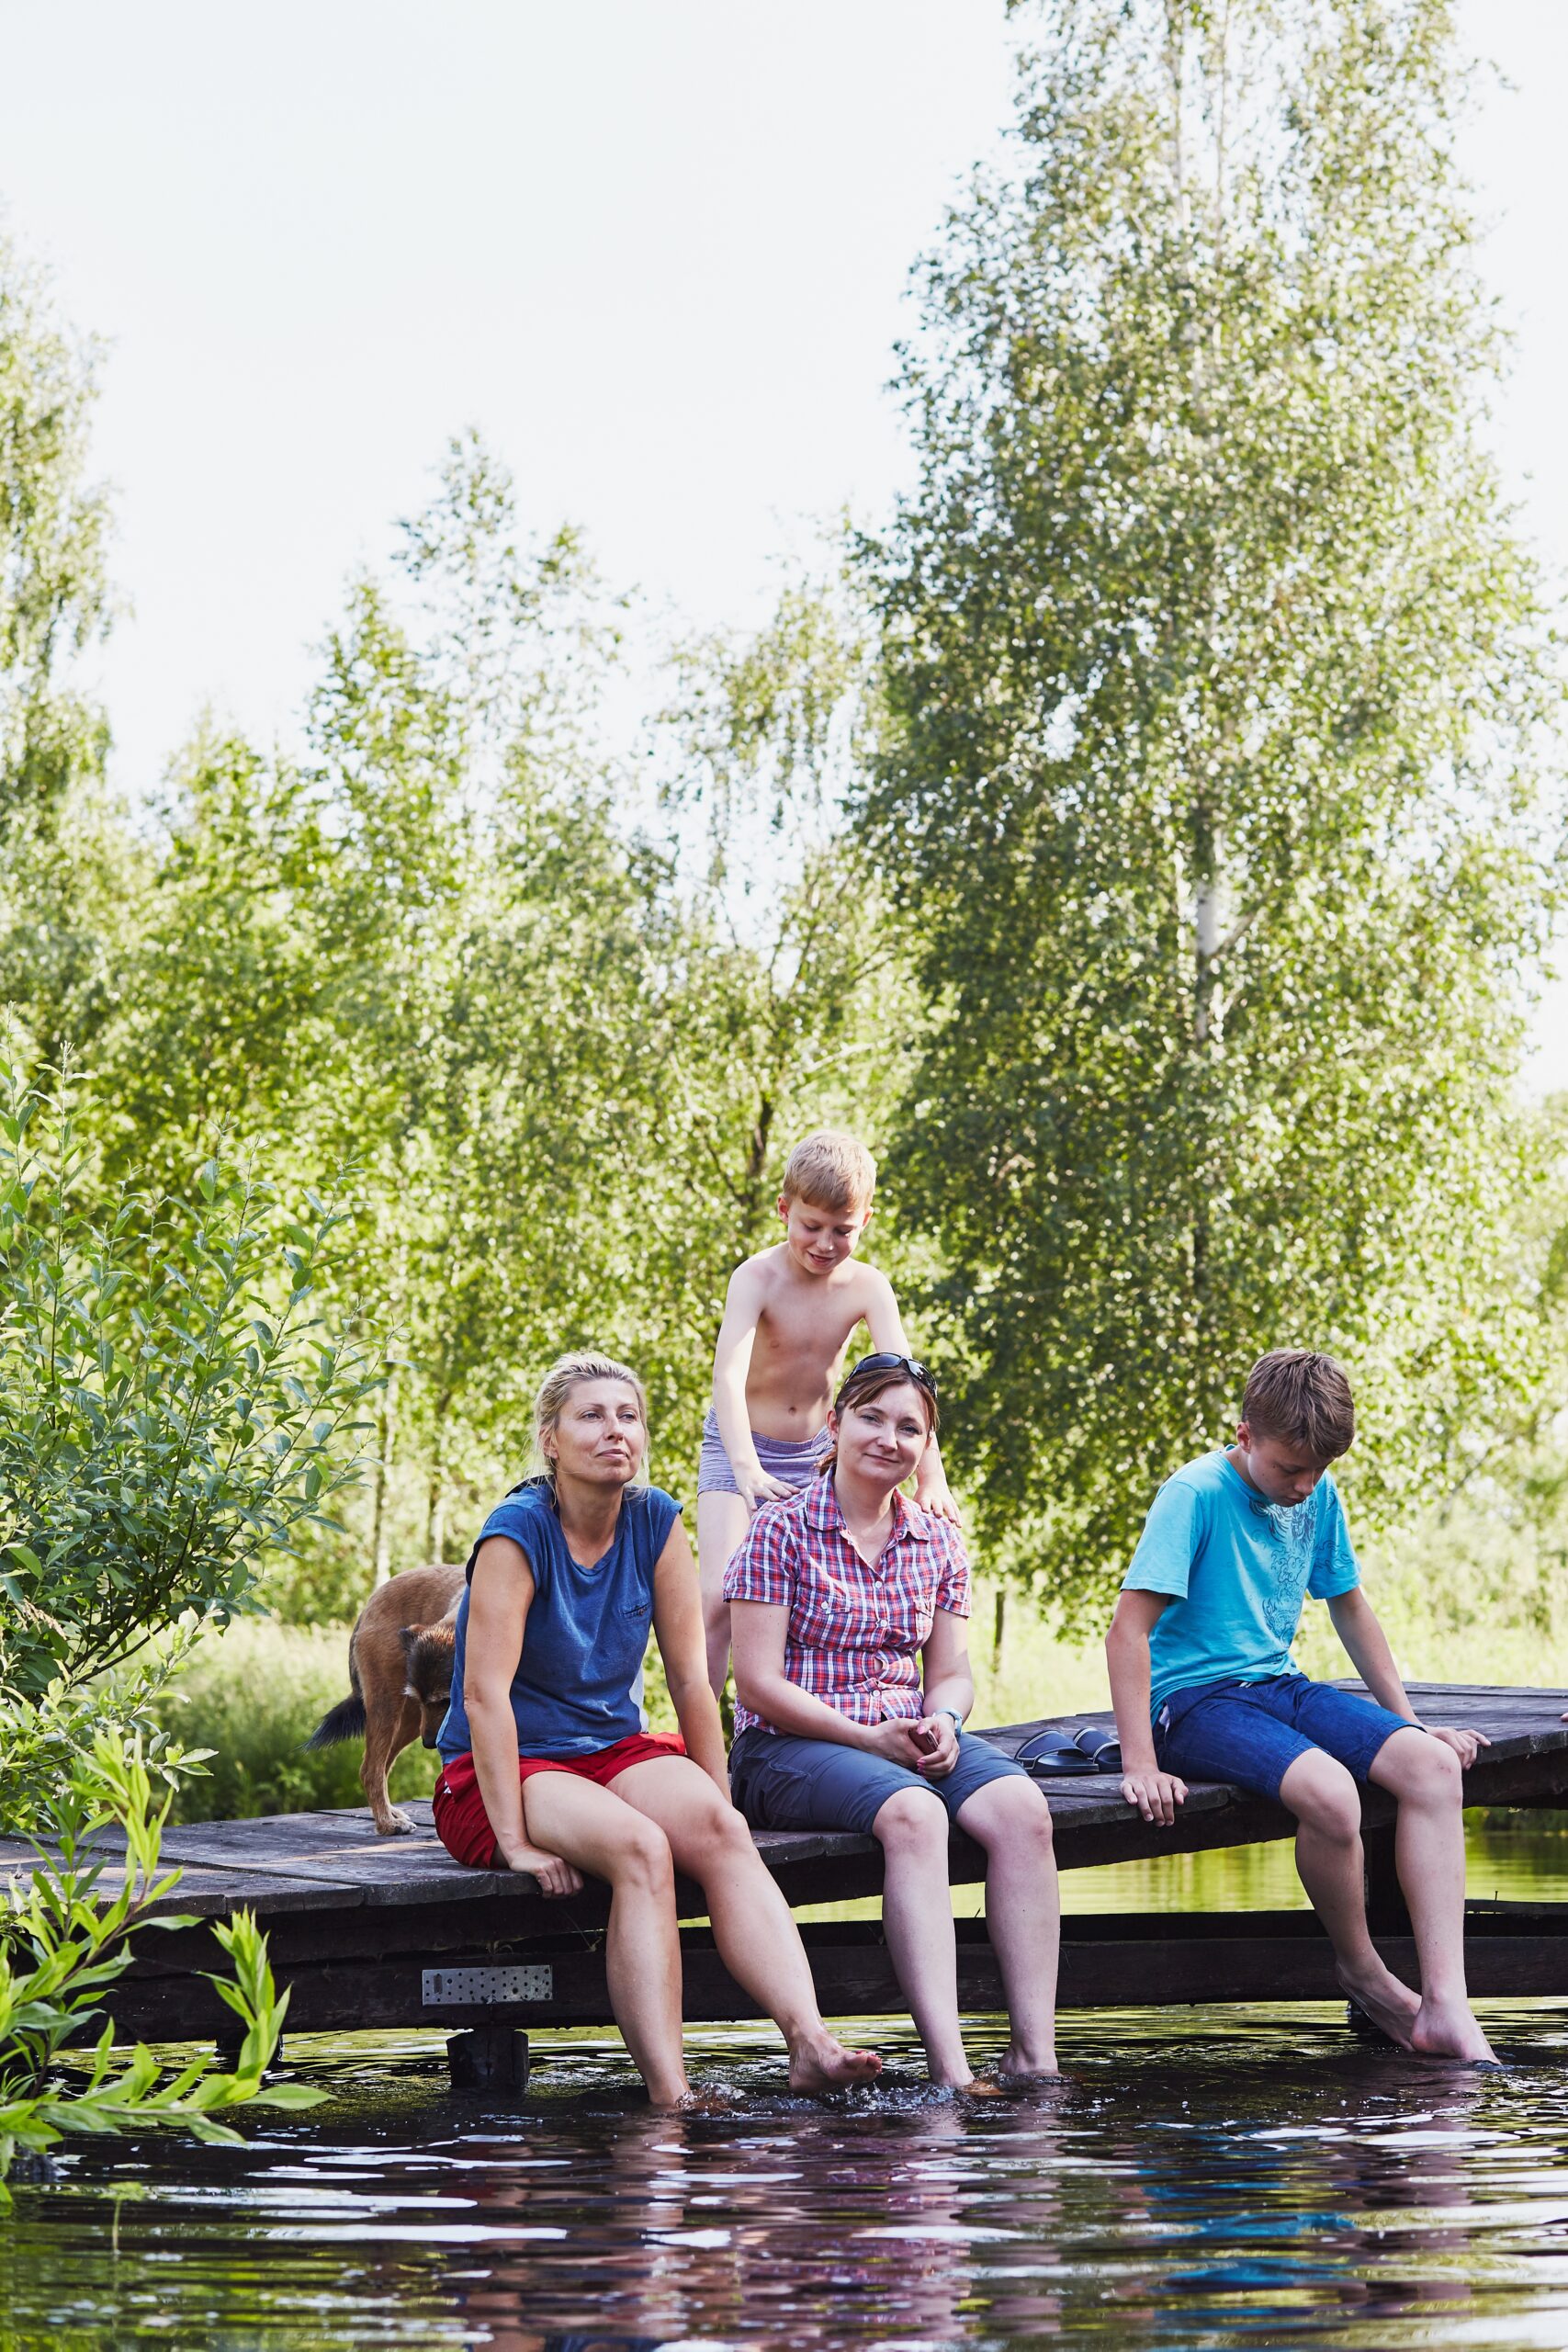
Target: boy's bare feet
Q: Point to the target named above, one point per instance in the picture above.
(1388, 2002)
(1449, 2029)
(827, 2065)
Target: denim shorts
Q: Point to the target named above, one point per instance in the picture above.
(782, 1783)
(1251, 1733)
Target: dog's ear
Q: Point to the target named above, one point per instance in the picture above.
(409, 1636)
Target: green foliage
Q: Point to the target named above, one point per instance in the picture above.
(170, 1405)
(64, 1937)
(566, 1034)
(1216, 690)
(44, 1737)
(65, 862)
(53, 598)
(247, 1702)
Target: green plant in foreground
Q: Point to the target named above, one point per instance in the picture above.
(63, 1941)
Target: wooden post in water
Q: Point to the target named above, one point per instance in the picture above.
(491, 2058)
(1386, 1913)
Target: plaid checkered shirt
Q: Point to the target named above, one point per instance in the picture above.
(856, 1632)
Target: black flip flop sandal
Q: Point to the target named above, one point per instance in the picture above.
(1052, 1756)
(1099, 1745)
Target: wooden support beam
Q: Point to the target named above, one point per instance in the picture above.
(1107, 1961)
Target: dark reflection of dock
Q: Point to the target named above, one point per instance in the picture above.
(371, 1932)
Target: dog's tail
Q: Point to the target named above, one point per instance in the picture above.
(346, 1720)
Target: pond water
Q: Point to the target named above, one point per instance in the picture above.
(1200, 2178)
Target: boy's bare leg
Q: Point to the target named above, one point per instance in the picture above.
(722, 1521)
(1327, 1805)
(1428, 1852)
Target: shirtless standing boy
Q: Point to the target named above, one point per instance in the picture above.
(788, 1314)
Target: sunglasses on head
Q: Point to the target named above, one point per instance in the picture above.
(886, 1361)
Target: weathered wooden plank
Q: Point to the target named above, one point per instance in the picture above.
(307, 1864)
(1281, 1956)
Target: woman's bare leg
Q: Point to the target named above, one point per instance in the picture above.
(593, 1829)
(917, 1920)
(722, 1521)
(758, 1940)
(1013, 1821)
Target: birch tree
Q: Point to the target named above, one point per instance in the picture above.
(1213, 784)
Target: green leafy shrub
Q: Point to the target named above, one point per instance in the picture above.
(171, 1409)
(43, 1739)
(64, 1939)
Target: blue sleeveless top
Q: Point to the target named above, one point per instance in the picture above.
(577, 1687)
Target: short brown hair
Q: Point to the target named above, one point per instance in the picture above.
(1304, 1399)
(863, 1386)
(831, 1170)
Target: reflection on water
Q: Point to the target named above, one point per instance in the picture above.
(1200, 2178)
(1210, 2178)
(1515, 1863)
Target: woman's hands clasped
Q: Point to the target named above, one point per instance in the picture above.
(927, 1744)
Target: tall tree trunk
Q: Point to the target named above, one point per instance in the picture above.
(382, 1524)
(435, 1523)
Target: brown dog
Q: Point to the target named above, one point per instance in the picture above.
(400, 1663)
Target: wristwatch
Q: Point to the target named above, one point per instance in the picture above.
(952, 1712)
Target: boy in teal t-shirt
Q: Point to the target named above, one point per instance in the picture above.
(1205, 1688)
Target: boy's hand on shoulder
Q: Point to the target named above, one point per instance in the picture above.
(1156, 1794)
(1466, 1745)
(757, 1489)
(933, 1493)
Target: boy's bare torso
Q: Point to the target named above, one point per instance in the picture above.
(804, 1324)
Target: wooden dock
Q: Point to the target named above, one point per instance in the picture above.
(371, 1931)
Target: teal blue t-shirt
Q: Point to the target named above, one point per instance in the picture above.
(1237, 1569)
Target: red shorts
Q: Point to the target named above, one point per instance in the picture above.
(461, 1821)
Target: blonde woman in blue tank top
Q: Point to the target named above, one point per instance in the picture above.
(548, 1764)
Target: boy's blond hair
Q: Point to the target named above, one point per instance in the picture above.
(830, 1171)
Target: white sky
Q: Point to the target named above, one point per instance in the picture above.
(655, 249)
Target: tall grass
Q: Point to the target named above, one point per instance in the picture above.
(254, 1694)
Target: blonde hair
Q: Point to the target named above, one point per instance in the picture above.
(566, 1373)
(830, 1171)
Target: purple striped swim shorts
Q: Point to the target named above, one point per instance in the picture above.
(794, 1460)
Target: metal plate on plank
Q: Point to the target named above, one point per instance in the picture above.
(472, 1988)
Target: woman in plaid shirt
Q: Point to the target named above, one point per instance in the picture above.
(853, 1681)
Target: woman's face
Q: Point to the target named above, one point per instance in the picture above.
(881, 1440)
(600, 1437)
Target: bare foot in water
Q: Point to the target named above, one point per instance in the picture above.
(1388, 2002)
(1015, 2073)
(827, 2065)
(1449, 2029)
(705, 2102)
